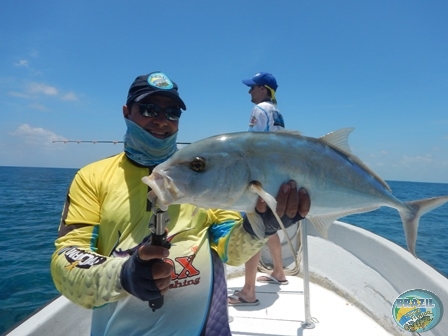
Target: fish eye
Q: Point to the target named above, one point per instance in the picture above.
(198, 164)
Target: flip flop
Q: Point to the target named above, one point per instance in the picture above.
(241, 301)
(271, 280)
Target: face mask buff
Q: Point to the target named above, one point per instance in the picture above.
(145, 149)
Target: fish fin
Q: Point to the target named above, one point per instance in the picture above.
(410, 216)
(323, 223)
(339, 139)
(256, 223)
(270, 200)
(255, 186)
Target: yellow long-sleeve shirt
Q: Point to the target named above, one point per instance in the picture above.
(106, 218)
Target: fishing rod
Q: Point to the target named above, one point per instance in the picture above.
(104, 141)
(89, 141)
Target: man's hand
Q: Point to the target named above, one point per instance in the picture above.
(145, 275)
(289, 202)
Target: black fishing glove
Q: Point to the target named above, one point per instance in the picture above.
(136, 278)
(270, 222)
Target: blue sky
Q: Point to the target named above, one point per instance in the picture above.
(378, 66)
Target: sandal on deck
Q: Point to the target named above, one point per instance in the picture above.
(241, 301)
(271, 280)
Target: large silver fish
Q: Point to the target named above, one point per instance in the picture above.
(230, 171)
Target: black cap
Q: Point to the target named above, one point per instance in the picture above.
(153, 83)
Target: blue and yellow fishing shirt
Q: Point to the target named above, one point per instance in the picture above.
(105, 219)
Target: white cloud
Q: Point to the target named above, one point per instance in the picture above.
(34, 53)
(36, 90)
(41, 88)
(409, 160)
(22, 63)
(36, 136)
(69, 96)
(39, 107)
(19, 94)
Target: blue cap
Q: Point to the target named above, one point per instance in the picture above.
(262, 78)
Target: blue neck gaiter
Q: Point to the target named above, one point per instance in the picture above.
(145, 149)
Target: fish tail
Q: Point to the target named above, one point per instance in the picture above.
(410, 216)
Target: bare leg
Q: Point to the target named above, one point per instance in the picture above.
(275, 249)
(248, 290)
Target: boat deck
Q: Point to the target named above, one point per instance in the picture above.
(281, 312)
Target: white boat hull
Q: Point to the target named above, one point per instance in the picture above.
(355, 275)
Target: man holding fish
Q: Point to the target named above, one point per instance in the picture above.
(105, 257)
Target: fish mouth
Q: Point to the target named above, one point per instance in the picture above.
(163, 191)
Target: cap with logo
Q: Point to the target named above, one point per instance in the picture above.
(263, 79)
(154, 83)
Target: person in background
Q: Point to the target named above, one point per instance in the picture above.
(104, 258)
(265, 117)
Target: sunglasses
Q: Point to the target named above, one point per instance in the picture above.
(253, 87)
(153, 110)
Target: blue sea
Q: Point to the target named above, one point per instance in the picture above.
(31, 201)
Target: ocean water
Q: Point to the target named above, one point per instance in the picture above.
(31, 201)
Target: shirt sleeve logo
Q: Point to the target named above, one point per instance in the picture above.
(81, 259)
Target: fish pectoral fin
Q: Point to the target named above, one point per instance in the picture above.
(270, 200)
(254, 218)
(322, 224)
(256, 223)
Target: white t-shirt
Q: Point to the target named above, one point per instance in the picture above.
(265, 117)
